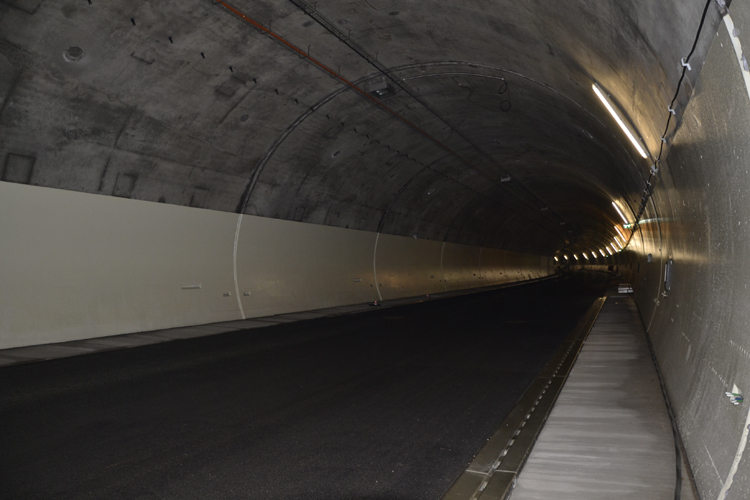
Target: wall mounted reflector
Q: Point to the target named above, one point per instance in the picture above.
(668, 275)
(620, 121)
(622, 215)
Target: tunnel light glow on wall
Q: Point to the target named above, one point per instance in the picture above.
(620, 121)
(624, 239)
(622, 215)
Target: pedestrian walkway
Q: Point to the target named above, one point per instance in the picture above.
(609, 434)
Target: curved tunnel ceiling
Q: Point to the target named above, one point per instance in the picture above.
(491, 134)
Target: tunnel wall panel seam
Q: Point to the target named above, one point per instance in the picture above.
(75, 266)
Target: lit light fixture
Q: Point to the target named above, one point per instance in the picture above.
(382, 90)
(617, 240)
(624, 239)
(557, 260)
(620, 212)
(566, 257)
(623, 125)
(608, 250)
(602, 252)
(593, 254)
(575, 256)
(585, 256)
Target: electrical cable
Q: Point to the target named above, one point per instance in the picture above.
(313, 13)
(337, 75)
(648, 192)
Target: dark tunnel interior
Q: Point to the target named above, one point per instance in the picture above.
(172, 164)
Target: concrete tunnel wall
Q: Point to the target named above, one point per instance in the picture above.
(75, 266)
(698, 218)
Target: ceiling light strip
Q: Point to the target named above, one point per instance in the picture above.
(620, 121)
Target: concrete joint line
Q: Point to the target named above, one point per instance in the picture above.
(375, 267)
(234, 266)
(738, 51)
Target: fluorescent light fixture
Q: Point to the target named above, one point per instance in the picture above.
(566, 257)
(593, 254)
(617, 240)
(608, 250)
(585, 256)
(557, 260)
(623, 125)
(382, 90)
(622, 215)
(624, 239)
(575, 256)
(602, 252)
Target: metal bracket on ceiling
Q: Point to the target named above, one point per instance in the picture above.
(723, 6)
(685, 64)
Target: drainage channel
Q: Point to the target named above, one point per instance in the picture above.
(492, 474)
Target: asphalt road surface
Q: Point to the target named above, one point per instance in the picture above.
(384, 405)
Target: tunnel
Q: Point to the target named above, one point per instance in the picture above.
(423, 174)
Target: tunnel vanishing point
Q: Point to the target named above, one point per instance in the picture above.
(188, 162)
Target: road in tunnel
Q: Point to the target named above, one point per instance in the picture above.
(391, 403)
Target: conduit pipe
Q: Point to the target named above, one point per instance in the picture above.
(334, 74)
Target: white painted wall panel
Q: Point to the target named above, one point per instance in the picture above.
(292, 266)
(408, 267)
(76, 265)
(461, 267)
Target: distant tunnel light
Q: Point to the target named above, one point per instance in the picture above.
(557, 260)
(585, 256)
(575, 256)
(602, 252)
(608, 251)
(624, 126)
(617, 240)
(622, 215)
(566, 257)
(624, 239)
(593, 254)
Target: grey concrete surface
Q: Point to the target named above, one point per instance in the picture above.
(608, 436)
(182, 103)
(188, 105)
(699, 328)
